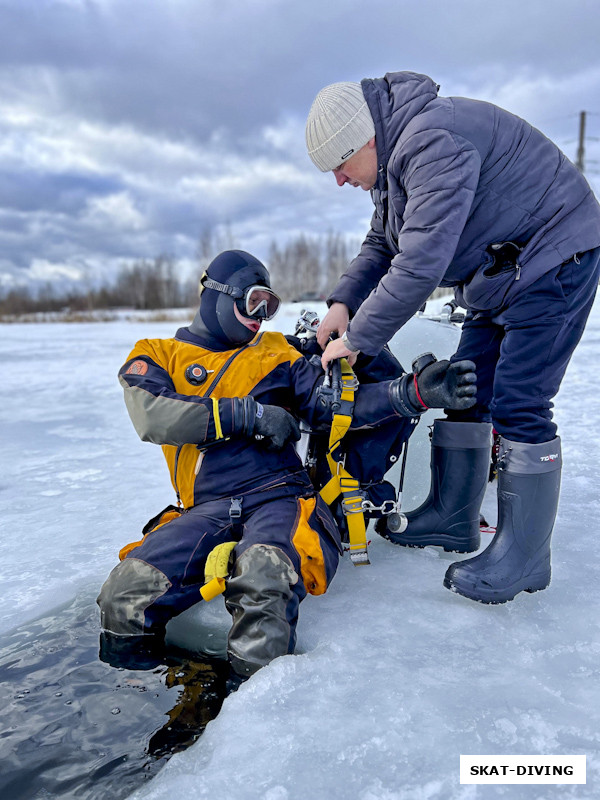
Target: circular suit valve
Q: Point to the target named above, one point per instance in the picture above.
(195, 374)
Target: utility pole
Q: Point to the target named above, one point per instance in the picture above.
(581, 147)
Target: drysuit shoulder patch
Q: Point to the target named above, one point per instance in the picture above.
(137, 367)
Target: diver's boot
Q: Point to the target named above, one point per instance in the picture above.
(130, 589)
(518, 558)
(449, 517)
(261, 599)
(132, 651)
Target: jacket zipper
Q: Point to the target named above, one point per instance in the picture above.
(177, 452)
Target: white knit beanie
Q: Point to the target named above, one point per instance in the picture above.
(339, 123)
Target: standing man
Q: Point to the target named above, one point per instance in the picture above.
(470, 196)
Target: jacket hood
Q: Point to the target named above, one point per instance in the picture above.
(393, 101)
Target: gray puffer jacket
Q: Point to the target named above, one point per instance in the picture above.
(456, 176)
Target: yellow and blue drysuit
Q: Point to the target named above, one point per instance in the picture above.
(181, 394)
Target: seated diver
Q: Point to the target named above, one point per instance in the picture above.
(216, 398)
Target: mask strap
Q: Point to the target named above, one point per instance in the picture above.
(234, 292)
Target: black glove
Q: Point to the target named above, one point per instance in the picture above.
(276, 426)
(439, 385)
(273, 424)
(445, 385)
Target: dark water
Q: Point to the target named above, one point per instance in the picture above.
(72, 726)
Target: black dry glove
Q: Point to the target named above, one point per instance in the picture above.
(445, 385)
(275, 425)
(437, 384)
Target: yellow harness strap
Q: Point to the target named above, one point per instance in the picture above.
(341, 482)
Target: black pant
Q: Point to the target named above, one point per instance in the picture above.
(522, 352)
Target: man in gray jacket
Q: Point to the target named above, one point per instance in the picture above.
(470, 196)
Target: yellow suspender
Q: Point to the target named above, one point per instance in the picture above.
(341, 482)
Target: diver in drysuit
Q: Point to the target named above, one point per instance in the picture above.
(217, 398)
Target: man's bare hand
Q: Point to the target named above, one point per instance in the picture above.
(335, 321)
(337, 349)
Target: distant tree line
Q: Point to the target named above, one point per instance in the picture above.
(304, 266)
(307, 267)
(145, 284)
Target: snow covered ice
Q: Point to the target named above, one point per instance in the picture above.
(394, 678)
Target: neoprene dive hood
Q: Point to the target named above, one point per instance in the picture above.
(215, 321)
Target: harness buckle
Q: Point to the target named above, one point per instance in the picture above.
(235, 508)
(352, 497)
(359, 557)
(352, 505)
(350, 382)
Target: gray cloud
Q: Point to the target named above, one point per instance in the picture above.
(126, 126)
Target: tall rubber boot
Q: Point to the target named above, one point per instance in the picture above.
(518, 558)
(261, 600)
(449, 517)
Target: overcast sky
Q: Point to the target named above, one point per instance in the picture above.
(129, 126)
